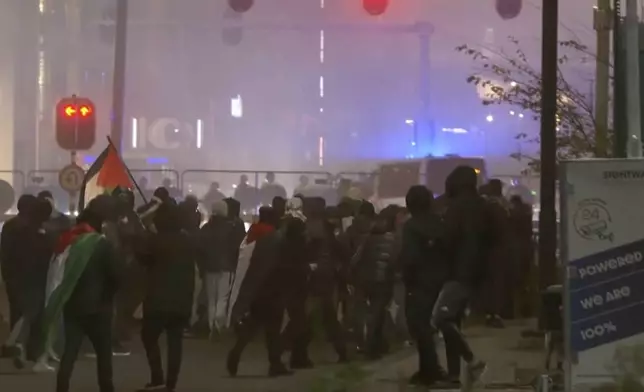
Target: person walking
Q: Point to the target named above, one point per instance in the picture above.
(170, 261)
(85, 296)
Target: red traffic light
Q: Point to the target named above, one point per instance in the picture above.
(241, 5)
(85, 111)
(375, 7)
(70, 111)
(75, 123)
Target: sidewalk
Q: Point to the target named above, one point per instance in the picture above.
(507, 363)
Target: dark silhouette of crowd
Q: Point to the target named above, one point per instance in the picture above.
(369, 280)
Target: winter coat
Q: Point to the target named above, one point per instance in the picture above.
(170, 261)
(25, 251)
(325, 253)
(375, 262)
(423, 257)
(468, 221)
(218, 246)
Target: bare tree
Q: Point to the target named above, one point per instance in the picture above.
(510, 79)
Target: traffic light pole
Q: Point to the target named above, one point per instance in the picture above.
(634, 145)
(72, 156)
(547, 213)
(619, 123)
(118, 88)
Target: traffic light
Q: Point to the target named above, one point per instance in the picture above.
(232, 32)
(375, 7)
(75, 124)
(240, 5)
(509, 9)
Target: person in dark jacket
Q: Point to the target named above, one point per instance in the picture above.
(234, 209)
(88, 311)
(352, 240)
(328, 274)
(279, 205)
(190, 214)
(247, 194)
(126, 233)
(201, 326)
(374, 270)
(213, 195)
(522, 253)
(423, 261)
(261, 296)
(271, 189)
(170, 263)
(30, 264)
(12, 247)
(293, 273)
(468, 244)
(217, 262)
(57, 222)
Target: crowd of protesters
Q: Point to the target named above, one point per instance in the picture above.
(400, 275)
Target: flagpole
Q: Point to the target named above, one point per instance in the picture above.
(127, 169)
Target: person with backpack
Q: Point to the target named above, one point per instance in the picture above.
(468, 243)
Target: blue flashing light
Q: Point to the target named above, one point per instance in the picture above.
(157, 161)
(89, 159)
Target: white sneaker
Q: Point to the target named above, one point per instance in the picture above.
(41, 367)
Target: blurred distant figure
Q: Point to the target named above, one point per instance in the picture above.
(57, 222)
(304, 182)
(190, 214)
(213, 195)
(279, 205)
(271, 189)
(246, 194)
(174, 192)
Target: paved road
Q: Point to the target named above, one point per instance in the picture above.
(203, 370)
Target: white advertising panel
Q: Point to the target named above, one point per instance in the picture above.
(602, 243)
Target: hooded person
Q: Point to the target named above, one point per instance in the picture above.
(12, 245)
(217, 263)
(57, 222)
(190, 215)
(373, 268)
(352, 240)
(126, 233)
(293, 274)
(169, 260)
(259, 303)
(467, 239)
(327, 263)
(423, 263)
(30, 261)
(85, 296)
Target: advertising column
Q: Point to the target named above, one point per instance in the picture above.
(602, 228)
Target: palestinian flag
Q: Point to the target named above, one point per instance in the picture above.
(107, 173)
(73, 251)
